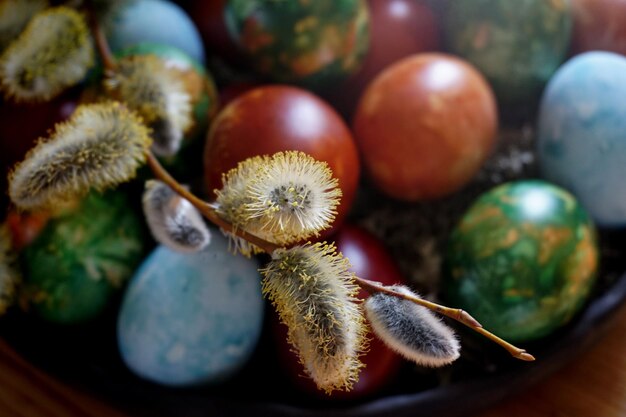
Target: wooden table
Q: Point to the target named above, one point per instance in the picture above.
(595, 385)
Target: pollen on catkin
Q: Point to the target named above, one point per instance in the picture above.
(410, 329)
(100, 146)
(283, 198)
(294, 198)
(314, 294)
(173, 220)
(145, 84)
(53, 53)
(14, 16)
(10, 278)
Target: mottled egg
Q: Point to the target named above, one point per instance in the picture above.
(517, 45)
(311, 43)
(581, 140)
(599, 25)
(425, 125)
(522, 260)
(189, 319)
(81, 257)
(276, 118)
(156, 21)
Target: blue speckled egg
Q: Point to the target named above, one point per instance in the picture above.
(582, 134)
(191, 319)
(155, 21)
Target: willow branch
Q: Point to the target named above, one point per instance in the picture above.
(102, 45)
(454, 313)
(205, 208)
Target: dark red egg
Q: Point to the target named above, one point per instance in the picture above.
(599, 25)
(209, 19)
(277, 118)
(398, 28)
(425, 125)
(369, 260)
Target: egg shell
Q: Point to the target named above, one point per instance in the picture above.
(425, 126)
(81, 257)
(277, 118)
(311, 43)
(189, 319)
(517, 45)
(599, 25)
(522, 260)
(155, 21)
(581, 140)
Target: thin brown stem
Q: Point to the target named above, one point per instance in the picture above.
(205, 208)
(102, 45)
(454, 313)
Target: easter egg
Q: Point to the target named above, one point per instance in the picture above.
(425, 125)
(517, 45)
(275, 118)
(154, 21)
(311, 43)
(189, 319)
(522, 260)
(398, 28)
(581, 142)
(369, 260)
(599, 25)
(80, 258)
(210, 21)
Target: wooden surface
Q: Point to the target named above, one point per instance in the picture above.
(592, 386)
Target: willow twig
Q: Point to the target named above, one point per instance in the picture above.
(454, 313)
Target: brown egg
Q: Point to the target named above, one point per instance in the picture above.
(398, 28)
(277, 118)
(599, 25)
(425, 125)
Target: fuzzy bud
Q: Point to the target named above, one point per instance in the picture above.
(314, 294)
(14, 16)
(173, 220)
(410, 329)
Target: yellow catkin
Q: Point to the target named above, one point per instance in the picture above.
(314, 294)
(100, 146)
(53, 53)
(146, 85)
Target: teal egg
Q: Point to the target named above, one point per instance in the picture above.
(82, 257)
(517, 45)
(522, 260)
(580, 136)
(156, 21)
(189, 319)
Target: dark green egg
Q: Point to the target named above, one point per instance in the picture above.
(522, 260)
(517, 45)
(82, 257)
(314, 43)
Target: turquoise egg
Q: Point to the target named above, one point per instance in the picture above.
(581, 134)
(155, 21)
(189, 319)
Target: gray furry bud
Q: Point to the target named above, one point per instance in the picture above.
(173, 220)
(410, 329)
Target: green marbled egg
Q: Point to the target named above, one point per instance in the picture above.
(81, 257)
(310, 43)
(522, 260)
(517, 45)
